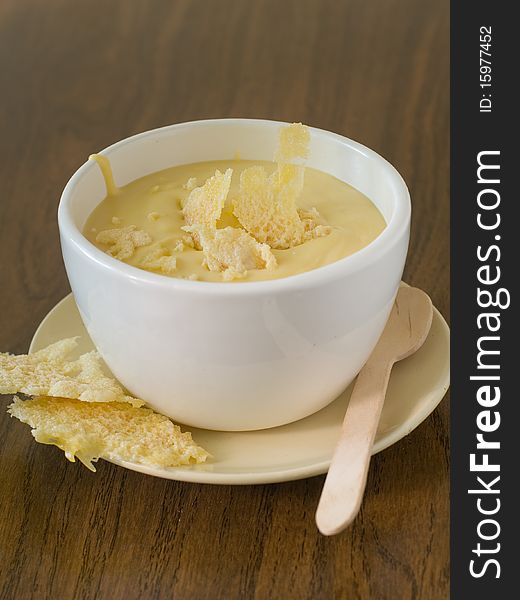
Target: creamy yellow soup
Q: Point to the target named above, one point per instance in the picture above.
(154, 204)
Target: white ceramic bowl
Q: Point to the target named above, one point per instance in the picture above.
(243, 355)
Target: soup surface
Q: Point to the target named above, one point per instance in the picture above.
(151, 210)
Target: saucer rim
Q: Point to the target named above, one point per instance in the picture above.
(201, 474)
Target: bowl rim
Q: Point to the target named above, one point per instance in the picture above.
(392, 234)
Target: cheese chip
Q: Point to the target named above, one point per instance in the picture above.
(190, 184)
(187, 240)
(293, 143)
(232, 251)
(266, 206)
(159, 259)
(204, 204)
(115, 431)
(313, 227)
(48, 372)
(123, 242)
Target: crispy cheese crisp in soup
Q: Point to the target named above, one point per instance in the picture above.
(234, 220)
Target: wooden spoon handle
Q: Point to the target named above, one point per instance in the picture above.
(345, 483)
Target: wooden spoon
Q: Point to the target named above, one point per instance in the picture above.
(405, 332)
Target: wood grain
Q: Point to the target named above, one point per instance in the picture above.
(77, 76)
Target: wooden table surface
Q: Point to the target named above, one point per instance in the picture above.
(78, 76)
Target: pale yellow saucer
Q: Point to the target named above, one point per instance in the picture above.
(301, 449)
